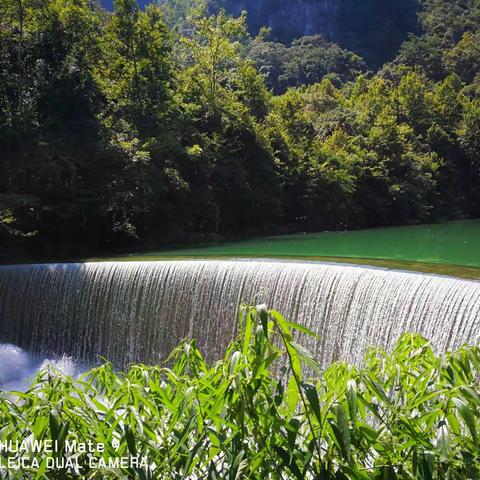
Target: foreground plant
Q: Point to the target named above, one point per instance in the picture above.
(405, 415)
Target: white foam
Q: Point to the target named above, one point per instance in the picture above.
(14, 362)
(18, 368)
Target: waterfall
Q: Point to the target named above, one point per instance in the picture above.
(139, 311)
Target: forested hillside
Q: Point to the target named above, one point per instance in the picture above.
(372, 29)
(146, 127)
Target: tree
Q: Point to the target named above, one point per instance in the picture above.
(139, 128)
(306, 61)
(469, 138)
(464, 57)
(215, 54)
(226, 99)
(447, 41)
(49, 103)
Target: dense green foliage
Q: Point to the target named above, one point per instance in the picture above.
(148, 127)
(306, 61)
(449, 42)
(408, 414)
(376, 151)
(373, 29)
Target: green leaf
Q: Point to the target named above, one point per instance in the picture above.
(288, 462)
(306, 356)
(264, 321)
(467, 416)
(303, 329)
(427, 465)
(292, 427)
(341, 430)
(443, 441)
(130, 438)
(292, 394)
(351, 394)
(312, 397)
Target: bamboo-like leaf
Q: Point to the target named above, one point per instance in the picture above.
(130, 438)
(288, 462)
(408, 414)
(351, 394)
(467, 416)
(312, 397)
(342, 431)
(303, 329)
(292, 394)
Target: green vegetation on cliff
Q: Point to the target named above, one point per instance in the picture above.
(373, 29)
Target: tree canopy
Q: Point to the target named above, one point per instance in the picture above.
(135, 128)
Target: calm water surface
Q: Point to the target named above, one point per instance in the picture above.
(456, 243)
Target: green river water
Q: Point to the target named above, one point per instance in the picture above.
(453, 243)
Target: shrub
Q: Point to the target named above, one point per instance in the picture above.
(408, 414)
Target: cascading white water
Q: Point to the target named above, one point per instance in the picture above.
(139, 311)
(18, 368)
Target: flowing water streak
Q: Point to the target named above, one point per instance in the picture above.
(139, 311)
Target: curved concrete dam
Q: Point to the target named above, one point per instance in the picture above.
(139, 311)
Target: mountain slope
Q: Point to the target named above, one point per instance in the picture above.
(374, 29)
